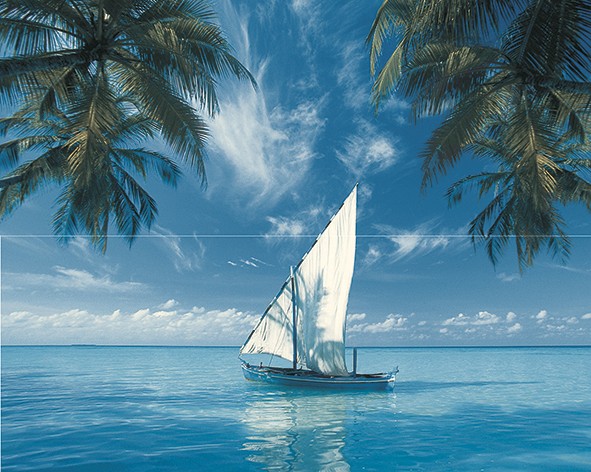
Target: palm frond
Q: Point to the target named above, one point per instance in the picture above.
(143, 161)
(551, 37)
(465, 125)
(572, 188)
(95, 82)
(441, 74)
(483, 182)
(49, 168)
(185, 132)
(392, 15)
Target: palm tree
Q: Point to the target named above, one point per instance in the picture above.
(91, 73)
(528, 88)
(523, 206)
(89, 198)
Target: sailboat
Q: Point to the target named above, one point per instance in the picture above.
(306, 321)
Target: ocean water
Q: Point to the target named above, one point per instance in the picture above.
(160, 409)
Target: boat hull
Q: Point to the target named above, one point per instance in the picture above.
(306, 378)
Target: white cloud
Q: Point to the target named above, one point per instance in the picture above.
(555, 328)
(541, 316)
(486, 318)
(503, 277)
(369, 151)
(514, 328)
(458, 320)
(586, 316)
(282, 226)
(168, 304)
(408, 243)
(67, 278)
(395, 104)
(310, 21)
(372, 255)
(356, 317)
(391, 323)
(302, 6)
(510, 317)
(307, 222)
(482, 318)
(197, 326)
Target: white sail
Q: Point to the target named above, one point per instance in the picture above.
(322, 283)
(273, 334)
(323, 280)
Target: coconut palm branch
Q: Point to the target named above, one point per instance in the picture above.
(161, 55)
(524, 204)
(94, 65)
(412, 24)
(97, 170)
(514, 72)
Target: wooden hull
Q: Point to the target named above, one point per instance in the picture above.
(307, 378)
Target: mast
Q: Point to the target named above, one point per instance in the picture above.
(294, 319)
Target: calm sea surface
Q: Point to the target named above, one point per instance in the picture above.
(159, 409)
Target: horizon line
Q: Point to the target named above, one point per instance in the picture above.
(275, 235)
(440, 346)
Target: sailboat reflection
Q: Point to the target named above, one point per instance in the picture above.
(303, 432)
(288, 430)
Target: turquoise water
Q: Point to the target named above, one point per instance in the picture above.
(158, 409)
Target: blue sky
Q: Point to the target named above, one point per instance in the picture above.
(281, 161)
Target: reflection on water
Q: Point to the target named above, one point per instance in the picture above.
(306, 430)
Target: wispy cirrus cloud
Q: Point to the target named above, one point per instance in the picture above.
(369, 151)
(186, 253)
(64, 278)
(265, 146)
(421, 240)
(307, 221)
(283, 226)
(251, 262)
(352, 77)
(268, 152)
(504, 277)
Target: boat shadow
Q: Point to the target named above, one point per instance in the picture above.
(417, 386)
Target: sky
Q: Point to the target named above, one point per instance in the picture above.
(281, 161)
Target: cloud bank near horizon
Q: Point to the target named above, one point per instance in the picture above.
(170, 324)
